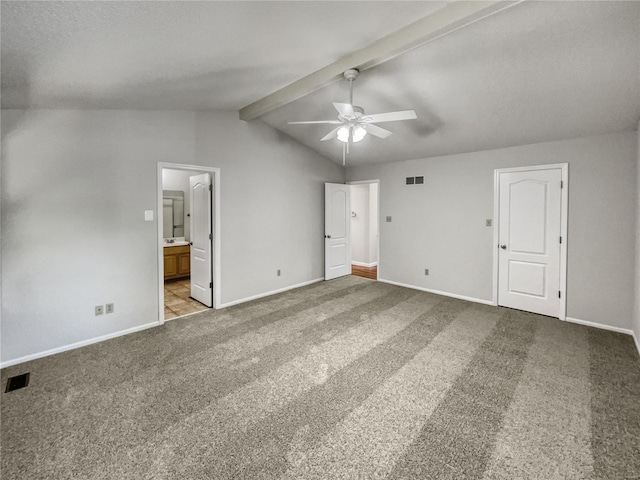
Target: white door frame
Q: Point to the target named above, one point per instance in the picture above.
(564, 168)
(376, 181)
(217, 234)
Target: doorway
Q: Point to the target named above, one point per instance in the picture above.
(351, 229)
(530, 233)
(364, 229)
(188, 239)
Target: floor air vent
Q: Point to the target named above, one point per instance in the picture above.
(19, 381)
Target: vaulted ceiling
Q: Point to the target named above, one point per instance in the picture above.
(534, 72)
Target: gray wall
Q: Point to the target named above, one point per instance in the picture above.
(360, 223)
(272, 204)
(373, 223)
(75, 185)
(441, 225)
(364, 226)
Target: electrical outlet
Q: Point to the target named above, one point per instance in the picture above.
(99, 310)
(426, 271)
(108, 308)
(278, 273)
(488, 222)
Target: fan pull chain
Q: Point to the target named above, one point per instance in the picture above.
(344, 154)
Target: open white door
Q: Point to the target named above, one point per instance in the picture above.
(530, 243)
(337, 235)
(201, 239)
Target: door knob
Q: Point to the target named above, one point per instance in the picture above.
(504, 247)
(328, 236)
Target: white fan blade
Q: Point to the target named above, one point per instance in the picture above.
(344, 109)
(334, 122)
(330, 135)
(377, 131)
(390, 116)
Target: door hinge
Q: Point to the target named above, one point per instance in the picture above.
(561, 184)
(211, 237)
(560, 239)
(559, 294)
(211, 188)
(210, 284)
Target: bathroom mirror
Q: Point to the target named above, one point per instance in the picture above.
(172, 213)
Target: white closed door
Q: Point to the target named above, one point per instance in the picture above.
(201, 239)
(337, 235)
(529, 246)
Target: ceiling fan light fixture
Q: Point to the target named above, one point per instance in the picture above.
(343, 134)
(359, 133)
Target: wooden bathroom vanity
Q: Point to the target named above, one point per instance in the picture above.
(177, 261)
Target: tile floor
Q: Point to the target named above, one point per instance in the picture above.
(177, 301)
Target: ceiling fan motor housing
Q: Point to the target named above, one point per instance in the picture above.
(351, 74)
(358, 113)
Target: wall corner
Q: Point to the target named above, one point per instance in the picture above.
(636, 302)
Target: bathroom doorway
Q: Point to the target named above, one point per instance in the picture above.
(188, 233)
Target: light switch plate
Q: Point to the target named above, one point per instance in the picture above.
(148, 215)
(388, 218)
(488, 222)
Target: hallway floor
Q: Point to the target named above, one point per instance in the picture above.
(177, 300)
(366, 272)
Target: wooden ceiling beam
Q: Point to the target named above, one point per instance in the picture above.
(454, 16)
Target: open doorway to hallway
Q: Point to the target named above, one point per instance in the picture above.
(187, 204)
(364, 229)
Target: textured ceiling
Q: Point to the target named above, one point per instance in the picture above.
(178, 55)
(537, 72)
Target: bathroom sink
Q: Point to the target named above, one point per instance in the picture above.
(176, 243)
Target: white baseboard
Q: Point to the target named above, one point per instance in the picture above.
(73, 346)
(109, 336)
(362, 264)
(273, 292)
(488, 302)
(601, 326)
(438, 292)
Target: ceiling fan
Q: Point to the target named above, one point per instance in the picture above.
(354, 124)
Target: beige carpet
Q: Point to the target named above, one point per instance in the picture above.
(343, 379)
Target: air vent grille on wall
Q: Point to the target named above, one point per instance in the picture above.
(415, 180)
